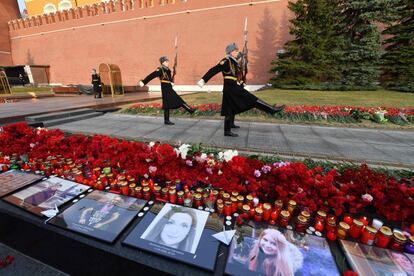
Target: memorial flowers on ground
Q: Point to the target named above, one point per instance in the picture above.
(349, 190)
(340, 114)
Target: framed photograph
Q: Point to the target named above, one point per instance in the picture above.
(100, 215)
(180, 233)
(13, 180)
(372, 260)
(45, 195)
(269, 251)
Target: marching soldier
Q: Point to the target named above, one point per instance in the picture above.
(236, 99)
(97, 84)
(170, 98)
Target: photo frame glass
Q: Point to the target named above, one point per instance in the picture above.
(101, 215)
(13, 180)
(178, 232)
(47, 194)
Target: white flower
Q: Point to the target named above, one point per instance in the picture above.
(220, 156)
(367, 197)
(183, 150)
(229, 154)
(203, 157)
(151, 144)
(32, 145)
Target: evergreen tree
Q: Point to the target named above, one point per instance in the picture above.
(311, 58)
(398, 61)
(362, 50)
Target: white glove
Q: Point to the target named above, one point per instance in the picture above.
(141, 84)
(201, 83)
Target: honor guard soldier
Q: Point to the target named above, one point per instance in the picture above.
(236, 99)
(170, 98)
(97, 84)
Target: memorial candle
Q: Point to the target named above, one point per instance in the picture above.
(274, 215)
(383, 237)
(319, 226)
(146, 192)
(368, 235)
(233, 204)
(180, 197)
(356, 229)
(173, 196)
(409, 246)
(301, 224)
(364, 220)
(284, 218)
(398, 241)
(348, 219)
(342, 230)
(258, 214)
(132, 189)
(291, 206)
(227, 208)
(197, 200)
(266, 211)
(138, 192)
(320, 216)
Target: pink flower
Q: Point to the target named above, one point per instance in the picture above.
(367, 197)
(257, 173)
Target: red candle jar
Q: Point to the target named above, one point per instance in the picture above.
(278, 205)
(157, 192)
(291, 206)
(132, 189)
(233, 204)
(146, 193)
(220, 208)
(251, 212)
(274, 215)
(368, 235)
(356, 229)
(305, 214)
(124, 188)
(364, 220)
(197, 200)
(246, 211)
(180, 197)
(331, 224)
(384, 237)
(398, 241)
(258, 214)
(219, 201)
(173, 196)
(301, 224)
(164, 193)
(138, 191)
(226, 197)
(266, 211)
(342, 230)
(240, 201)
(331, 235)
(348, 219)
(320, 216)
(99, 186)
(284, 218)
(227, 208)
(235, 194)
(319, 226)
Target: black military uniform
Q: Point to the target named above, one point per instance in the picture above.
(236, 99)
(97, 85)
(170, 98)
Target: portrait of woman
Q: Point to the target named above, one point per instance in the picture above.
(273, 255)
(176, 229)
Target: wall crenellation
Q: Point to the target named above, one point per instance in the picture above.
(87, 11)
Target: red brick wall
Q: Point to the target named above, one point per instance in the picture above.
(8, 10)
(74, 42)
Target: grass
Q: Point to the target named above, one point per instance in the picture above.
(305, 97)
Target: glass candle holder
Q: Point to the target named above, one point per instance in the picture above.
(320, 216)
(383, 237)
(266, 211)
(305, 214)
(331, 225)
(249, 200)
(291, 206)
(197, 200)
(172, 196)
(342, 230)
(138, 192)
(398, 241)
(146, 193)
(301, 224)
(368, 235)
(180, 197)
(246, 211)
(132, 189)
(227, 208)
(356, 228)
(258, 214)
(284, 218)
(220, 208)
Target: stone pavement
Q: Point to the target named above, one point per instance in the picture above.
(14, 112)
(25, 265)
(380, 147)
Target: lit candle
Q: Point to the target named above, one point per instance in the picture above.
(348, 219)
(364, 220)
(319, 226)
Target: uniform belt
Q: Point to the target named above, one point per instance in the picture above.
(230, 78)
(165, 81)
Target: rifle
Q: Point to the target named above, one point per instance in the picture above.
(244, 56)
(175, 59)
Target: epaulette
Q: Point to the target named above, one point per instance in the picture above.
(223, 61)
(158, 69)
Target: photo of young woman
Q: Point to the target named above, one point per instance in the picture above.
(271, 254)
(177, 227)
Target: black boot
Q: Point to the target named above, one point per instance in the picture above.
(167, 117)
(188, 108)
(268, 108)
(227, 127)
(232, 125)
